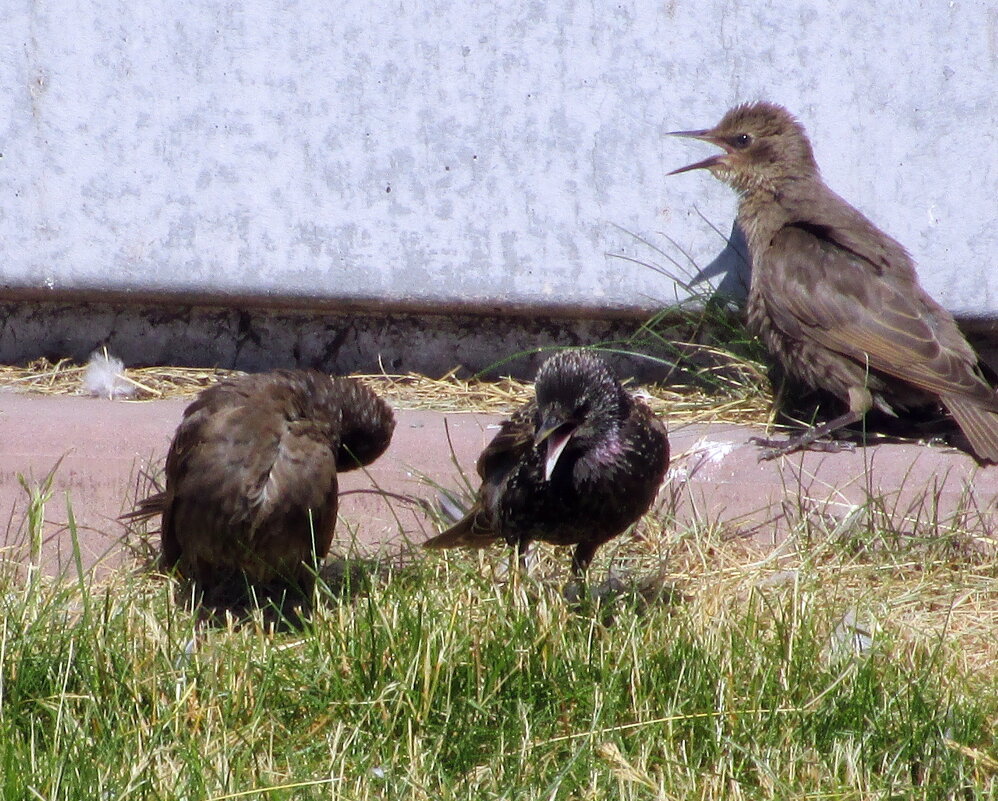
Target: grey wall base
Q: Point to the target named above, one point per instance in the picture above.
(255, 339)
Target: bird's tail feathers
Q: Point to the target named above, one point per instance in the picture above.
(468, 532)
(146, 508)
(979, 425)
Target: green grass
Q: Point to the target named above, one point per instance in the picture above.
(440, 683)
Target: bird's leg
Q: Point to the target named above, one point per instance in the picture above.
(581, 557)
(808, 439)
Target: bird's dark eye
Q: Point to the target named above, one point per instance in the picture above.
(741, 141)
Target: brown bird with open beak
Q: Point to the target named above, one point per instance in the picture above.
(834, 298)
(575, 466)
(250, 503)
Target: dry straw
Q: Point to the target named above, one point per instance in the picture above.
(747, 402)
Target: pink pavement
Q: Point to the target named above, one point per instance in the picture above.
(99, 449)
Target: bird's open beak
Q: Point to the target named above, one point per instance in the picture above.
(704, 135)
(556, 434)
(700, 165)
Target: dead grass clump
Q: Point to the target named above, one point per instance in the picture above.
(742, 403)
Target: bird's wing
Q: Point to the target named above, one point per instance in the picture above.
(652, 439)
(514, 439)
(249, 488)
(828, 217)
(296, 479)
(479, 528)
(823, 291)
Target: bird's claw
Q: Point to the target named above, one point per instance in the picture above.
(832, 446)
(769, 454)
(772, 447)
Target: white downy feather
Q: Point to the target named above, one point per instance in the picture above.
(105, 377)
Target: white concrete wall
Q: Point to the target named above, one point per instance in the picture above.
(461, 152)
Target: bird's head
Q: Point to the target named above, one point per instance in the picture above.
(579, 403)
(763, 144)
(367, 423)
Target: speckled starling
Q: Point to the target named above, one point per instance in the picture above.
(835, 299)
(575, 466)
(250, 501)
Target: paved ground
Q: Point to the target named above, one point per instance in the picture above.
(99, 449)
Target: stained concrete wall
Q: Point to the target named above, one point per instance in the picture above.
(467, 155)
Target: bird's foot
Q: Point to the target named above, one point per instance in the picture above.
(575, 591)
(782, 447)
(578, 591)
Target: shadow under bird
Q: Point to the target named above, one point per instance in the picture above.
(836, 300)
(575, 466)
(249, 507)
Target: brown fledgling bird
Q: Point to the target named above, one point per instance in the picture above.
(575, 466)
(835, 299)
(250, 502)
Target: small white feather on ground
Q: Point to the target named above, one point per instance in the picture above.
(104, 377)
(703, 458)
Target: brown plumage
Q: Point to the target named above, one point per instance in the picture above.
(250, 501)
(575, 466)
(835, 299)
